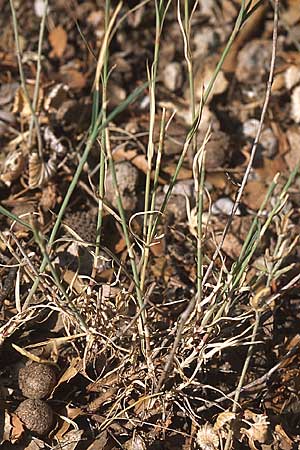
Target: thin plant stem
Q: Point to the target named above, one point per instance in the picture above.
(143, 329)
(98, 127)
(257, 137)
(68, 302)
(145, 257)
(159, 15)
(104, 138)
(23, 81)
(243, 375)
(38, 70)
(186, 31)
(201, 176)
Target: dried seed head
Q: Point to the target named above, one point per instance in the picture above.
(36, 380)
(36, 415)
(207, 438)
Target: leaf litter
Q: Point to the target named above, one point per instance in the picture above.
(165, 373)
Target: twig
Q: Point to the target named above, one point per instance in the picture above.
(183, 320)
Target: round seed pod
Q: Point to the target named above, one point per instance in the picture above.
(36, 415)
(36, 380)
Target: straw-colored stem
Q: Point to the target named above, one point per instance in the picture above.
(243, 374)
(150, 147)
(23, 81)
(104, 139)
(98, 127)
(145, 257)
(68, 303)
(38, 70)
(201, 176)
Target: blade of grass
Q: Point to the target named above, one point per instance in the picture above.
(160, 12)
(104, 139)
(91, 140)
(23, 80)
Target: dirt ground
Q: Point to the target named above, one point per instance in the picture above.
(186, 337)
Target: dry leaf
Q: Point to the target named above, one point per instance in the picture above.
(71, 439)
(36, 444)
(224, 418)
(21, 105)
(120, 245)
(292, 76)
(70, 372)
(136, 443)
(100, 443)
(95, 404)
(255, 192)
(13, 167)
(291, 15)
(17, 428)
(58, 40)
(159, 248)
(292, 157)
(74, 78)
(285, 443)
(184, 174)
(295, 105)
(72, 413)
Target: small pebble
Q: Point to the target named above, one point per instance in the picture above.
(224, 206)
(172, 76)
(267, 139)
(253, 62)
(127, 179)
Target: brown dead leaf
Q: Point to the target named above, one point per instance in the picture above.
(120, 245)
(58, 40)
(136, 443)
(295, 104)
(49, 197)
(270, 168)
(100, 443)
(120, 153)
(139, 161)
(291, 15)
(71, 439)
(217, 179)
(95, 405)
(259, 430)
(160, 269)
(184, 174)
(292, 156)
(232, 245)
(72, 413)
(35, 444)
(17, 428)
(255, 192)
(285, 443)
(70, 372)
(73, 78)
(159, 248)
(21, 105)
(73, 281)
